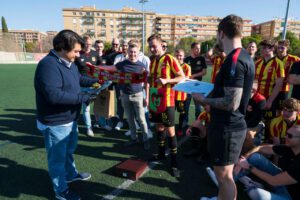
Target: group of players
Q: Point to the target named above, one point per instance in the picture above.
(266, 117)
(230, 125)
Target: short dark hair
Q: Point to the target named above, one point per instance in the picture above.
(99, 41)
(268, 43)
(285, 43)
(66, 40)
(179, 50)
(232, 26)
(251, 43)
(194, 44)
(154, 36)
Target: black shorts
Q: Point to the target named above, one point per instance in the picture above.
(224, 146)
(179, 106)
(167, 118)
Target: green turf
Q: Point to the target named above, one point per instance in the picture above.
(23, 164)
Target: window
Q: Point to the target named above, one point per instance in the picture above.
(74, 13)
(74, 20)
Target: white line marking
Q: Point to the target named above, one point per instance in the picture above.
(126, 184)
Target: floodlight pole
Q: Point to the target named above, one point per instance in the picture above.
(285, 21)
(143, 33)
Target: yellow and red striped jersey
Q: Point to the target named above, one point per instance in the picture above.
(278, 127)
(181, 96)
(204, 117)
(165, 67)
(266, 74)
(217, 61)
(287, 61)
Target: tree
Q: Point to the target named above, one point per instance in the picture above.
(31, 47)
(171, 48)
(185, 43)
(4, 25)
(253, 38)
(107, 46)
(294, 42)
(208, 44)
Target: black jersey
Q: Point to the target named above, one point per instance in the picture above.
(236, 71)
(197, 64)
(91, 57)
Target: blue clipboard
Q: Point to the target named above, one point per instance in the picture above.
(193, 86)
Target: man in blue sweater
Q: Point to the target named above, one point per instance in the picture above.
(58, 85)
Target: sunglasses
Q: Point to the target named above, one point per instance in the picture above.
(291, 136)
(115, 44)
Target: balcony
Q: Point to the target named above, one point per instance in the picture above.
(87, 20)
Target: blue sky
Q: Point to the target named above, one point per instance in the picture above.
(47, 15)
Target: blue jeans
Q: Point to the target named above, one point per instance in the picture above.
(120, 109)
(86, 110)
(187, 107)
(60, 143)
(278, 193)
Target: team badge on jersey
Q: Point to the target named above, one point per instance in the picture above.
(93, 59)
(157, 99)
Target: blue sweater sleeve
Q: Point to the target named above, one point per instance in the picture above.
(53, 81)
(86, 81)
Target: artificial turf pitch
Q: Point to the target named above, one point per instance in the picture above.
(23, 164)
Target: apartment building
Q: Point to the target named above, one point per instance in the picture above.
(107, 24)
(273, 28)
(128, 24)
(26, 36)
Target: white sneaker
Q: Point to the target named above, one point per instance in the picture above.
(150, 134)
(107, 127)
(207, 198)
(128, 133)
(89, 132)
(119, 126)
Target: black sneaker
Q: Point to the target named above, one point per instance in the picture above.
(175, 172)
(80, 177)
(67, 195)
(131, 143)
